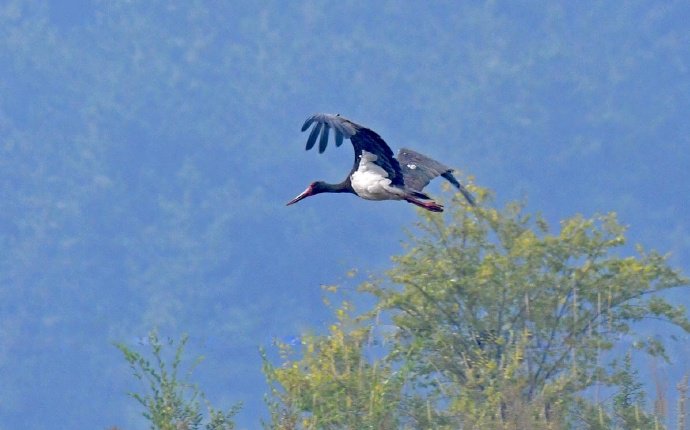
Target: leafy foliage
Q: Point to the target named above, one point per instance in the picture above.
(501, 323)
(334, 383)
(169, 402)
(629, 401)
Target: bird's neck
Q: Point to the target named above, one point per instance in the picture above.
(342, 187)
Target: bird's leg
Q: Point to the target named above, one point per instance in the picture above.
(430, 205)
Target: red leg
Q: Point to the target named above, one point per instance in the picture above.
(430, 205)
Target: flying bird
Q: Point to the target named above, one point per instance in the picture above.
(376, 173)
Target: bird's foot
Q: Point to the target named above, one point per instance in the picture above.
(433, 206)
(430, 205)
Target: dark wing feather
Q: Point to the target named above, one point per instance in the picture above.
(324, 138)
(338, 138)
(418, 170)
(362, 138)
(312, 136)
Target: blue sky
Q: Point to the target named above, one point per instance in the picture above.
(149, 148)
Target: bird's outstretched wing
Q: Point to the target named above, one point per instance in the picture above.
(362, 138)
(418, 170)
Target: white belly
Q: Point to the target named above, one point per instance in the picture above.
(371, 182)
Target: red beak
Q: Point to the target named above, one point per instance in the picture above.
(306, 193)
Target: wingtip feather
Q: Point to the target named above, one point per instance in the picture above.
(324, 139)
(313, 135)
(468, 196)
(308, 122)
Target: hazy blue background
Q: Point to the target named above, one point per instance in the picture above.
(147, 149)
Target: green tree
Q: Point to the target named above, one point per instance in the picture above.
(171, 403)
(334, 385)
(628, 403)
(502, 323)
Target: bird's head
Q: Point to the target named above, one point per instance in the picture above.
(313, 189)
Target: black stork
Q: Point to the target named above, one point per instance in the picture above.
(377, 174)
